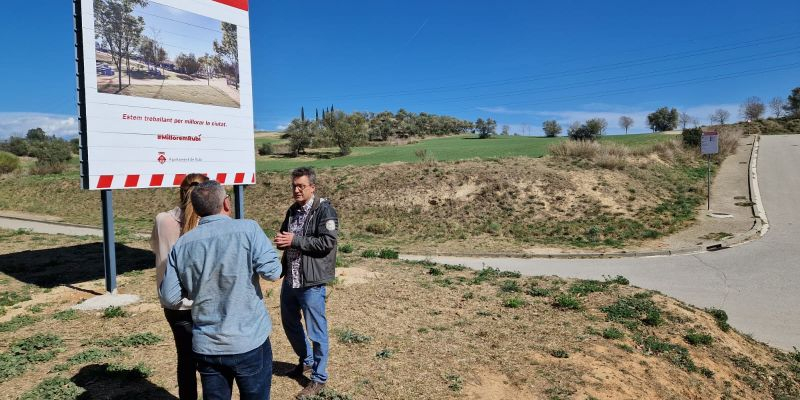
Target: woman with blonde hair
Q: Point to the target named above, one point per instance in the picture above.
(168, 227)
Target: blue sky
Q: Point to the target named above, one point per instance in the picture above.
(519, 62)
(179, 31)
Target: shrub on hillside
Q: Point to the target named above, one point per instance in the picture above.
(793, 126)
(691, 137)
(51, 151)
(751, 129)
(265, 149)
(8, 162)
(16, 146)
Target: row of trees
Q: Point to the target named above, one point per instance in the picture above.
(337, 128)
(753, 108)
(121, 34)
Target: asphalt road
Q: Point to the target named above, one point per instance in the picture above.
(757, 284)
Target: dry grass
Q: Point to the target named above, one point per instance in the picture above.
(433, 336)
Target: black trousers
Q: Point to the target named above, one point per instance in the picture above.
(181, 323)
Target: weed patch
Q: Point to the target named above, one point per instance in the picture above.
(330, 394)
(584, 287)
(384, 354)
(454, 382)
(568, 301)
(58, 388)
(18, 322)
(697, 339)
(135, 340)
(613, 333)
(514, 302)
(24, 352)
(559, 353)
(634, 308)
(510, 286)
(676, 354)
(721, 317)
(348, 336)
(114, 312)
(11, 298)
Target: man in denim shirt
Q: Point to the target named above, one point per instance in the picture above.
(308, 237)
(217, 265)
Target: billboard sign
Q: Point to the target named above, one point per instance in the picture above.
(165, 89)
(709, 143)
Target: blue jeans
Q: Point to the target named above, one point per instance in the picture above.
(252, 372)
(311, 301)
(181, 323)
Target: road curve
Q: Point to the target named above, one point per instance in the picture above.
(758, 283)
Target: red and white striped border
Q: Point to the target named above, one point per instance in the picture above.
(241, 4)
(165, 180)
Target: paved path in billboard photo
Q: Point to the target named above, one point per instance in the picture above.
(756, 283)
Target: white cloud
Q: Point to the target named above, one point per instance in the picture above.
(18, 123)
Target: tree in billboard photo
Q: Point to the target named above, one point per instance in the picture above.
(146, 49)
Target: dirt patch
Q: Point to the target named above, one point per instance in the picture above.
(355, 276)
(491, 386)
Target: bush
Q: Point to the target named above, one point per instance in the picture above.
(691, 137)
(346, 248)
(721, 317)
(265, 149)
(52, 151)
(8, 162)
(697, 339)
(751, 129)
(17, 146)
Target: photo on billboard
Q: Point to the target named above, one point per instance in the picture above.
(150, 50)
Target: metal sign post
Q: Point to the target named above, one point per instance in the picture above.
(109, 251)
(709, 144)
(238, 199)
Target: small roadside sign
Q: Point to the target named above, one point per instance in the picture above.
(709, 143)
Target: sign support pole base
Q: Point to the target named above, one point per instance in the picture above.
(238, 200)
(109, 250)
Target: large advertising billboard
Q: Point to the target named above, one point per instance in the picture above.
(165, 89)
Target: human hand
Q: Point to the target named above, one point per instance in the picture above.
(283, 240)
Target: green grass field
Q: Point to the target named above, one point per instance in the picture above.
(441, 149)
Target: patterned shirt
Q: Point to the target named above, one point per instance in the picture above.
(296, 227)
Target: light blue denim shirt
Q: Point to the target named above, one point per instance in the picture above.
(217, 266)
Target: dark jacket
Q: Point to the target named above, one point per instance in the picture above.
(317, 245)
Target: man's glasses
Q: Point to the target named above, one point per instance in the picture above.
(301, 187)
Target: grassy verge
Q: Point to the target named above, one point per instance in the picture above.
(439, 149)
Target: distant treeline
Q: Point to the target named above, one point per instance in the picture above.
(336, 128)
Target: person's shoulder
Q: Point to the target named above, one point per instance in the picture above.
(168, 217)
(326, 207)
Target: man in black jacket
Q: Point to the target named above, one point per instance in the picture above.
(308, 237)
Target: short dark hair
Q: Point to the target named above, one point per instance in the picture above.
(305, 171)
(207, 198)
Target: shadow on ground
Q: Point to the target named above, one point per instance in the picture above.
(48, 268)
(102, 381)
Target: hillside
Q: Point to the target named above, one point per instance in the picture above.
(587, 196)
